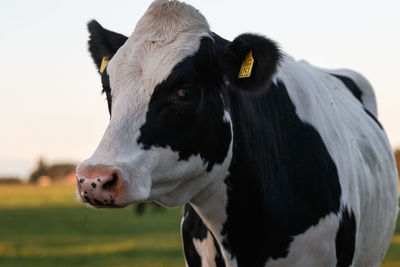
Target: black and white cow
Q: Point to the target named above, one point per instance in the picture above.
(278, 163)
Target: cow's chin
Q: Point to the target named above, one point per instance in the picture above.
(115, 205)
(102, 206)
(112, 206)
(174, 192)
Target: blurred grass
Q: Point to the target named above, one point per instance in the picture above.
(392, 258)
(30, 196)
(48, 227)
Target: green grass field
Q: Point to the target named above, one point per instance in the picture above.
(48, 227)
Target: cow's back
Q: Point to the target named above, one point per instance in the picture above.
(356, 83)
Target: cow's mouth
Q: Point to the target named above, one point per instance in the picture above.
(95, 203)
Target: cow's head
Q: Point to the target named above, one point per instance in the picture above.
(170, 133)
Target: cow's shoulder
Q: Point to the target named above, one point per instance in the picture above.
(200, 246)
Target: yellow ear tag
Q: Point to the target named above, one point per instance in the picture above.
(247, 65)
(104, 63)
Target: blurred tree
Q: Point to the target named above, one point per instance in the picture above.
(55, 171)
(60, 170)
(39, 171)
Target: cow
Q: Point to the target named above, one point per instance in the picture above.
(277, 162)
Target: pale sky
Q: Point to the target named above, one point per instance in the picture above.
(50, 101)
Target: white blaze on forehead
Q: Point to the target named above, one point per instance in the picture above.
(166, 34)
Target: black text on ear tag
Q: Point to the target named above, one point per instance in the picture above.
(247, 66)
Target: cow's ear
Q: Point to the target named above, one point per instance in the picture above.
(103, 44)
(249, 62)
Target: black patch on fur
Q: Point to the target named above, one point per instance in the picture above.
(373, 117)
(351, 85)
(193, 227)
(266, 56)
(282, 179)
(105, 80)
(219, 260)
(346, 239)
(103, 42)
(93, 185)
(193, 124)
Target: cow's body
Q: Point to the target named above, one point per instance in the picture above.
(298, 172)
(314, 201)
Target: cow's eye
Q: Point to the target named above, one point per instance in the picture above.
(184, 93)
(180, 93)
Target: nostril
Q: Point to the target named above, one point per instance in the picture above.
(110, 184)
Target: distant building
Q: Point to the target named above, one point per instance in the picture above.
(43, 181)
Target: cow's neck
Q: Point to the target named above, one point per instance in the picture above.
(210, 204)
(243, 179)
(253, 185)
(235, 208)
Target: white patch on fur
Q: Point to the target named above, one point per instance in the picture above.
(352, 139)
(206, 250)
(175, 182)
(227, 117)
(368, 94)
(312, 248)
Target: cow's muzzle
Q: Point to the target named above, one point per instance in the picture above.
(99, 185)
